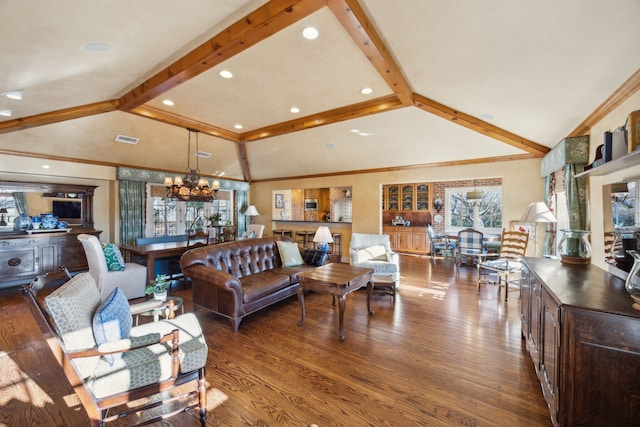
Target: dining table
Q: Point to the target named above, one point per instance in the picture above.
(153, 251)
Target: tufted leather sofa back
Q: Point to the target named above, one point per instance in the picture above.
(239, 258)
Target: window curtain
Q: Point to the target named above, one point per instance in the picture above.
(575, 190)
(20, 203)
(549, 245)
(132, 206)
(241, 205)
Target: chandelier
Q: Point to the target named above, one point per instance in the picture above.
(191, 187)
(474, 196)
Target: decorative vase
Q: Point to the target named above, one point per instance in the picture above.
(632, 284)
(22, 223)
(160, 296)
(574, 247)
(49, 221)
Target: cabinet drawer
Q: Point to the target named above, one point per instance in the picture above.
(20, 261)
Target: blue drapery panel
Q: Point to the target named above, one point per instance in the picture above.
(20, 202)
(132, 205)
(241, 206)
(549, 245)
(575, 190)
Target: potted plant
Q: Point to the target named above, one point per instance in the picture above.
(215, 218)
(158, 287)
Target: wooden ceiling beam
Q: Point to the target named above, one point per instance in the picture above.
(628, 88)
(184, 122)
(407, 167)
(361, 29)
(479, 126)
(348, 112)
(244, 161)
(258, 25)
(58, 116)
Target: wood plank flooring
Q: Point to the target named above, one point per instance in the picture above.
(442, 355)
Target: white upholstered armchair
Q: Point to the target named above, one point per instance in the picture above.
(131, 280)
(374, 251)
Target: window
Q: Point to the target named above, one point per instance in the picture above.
(6, 219)
(165, 219)
(623, 204)
(484, 215)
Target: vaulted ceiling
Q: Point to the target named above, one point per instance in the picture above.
(452, 82)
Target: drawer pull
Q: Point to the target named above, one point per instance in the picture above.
(14, 262)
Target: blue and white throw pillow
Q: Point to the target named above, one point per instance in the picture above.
(112, 321)
(115, 261)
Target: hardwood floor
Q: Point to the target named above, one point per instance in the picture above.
(442, 355)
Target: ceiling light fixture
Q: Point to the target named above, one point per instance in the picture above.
(191, 187)
(294, 110)
(310, 33)
(475, 196)
(226, 74)
(366, 91)
(168, 102)
(6, 113)
(238, 126)
(14, 94)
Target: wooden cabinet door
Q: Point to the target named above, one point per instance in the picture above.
(393, 237)
(525, 303)
(422, 197)
(392, 197)
(405, 240)
(420, 242)
(535, 321)
(297, 208)
(550, 354)
(19, 258)
(407, 197)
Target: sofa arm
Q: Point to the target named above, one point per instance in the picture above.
(214, 277)
(393, 257)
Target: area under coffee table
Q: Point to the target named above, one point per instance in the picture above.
(338, 280)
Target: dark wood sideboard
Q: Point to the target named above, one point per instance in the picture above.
(25, 256)
(583, 337)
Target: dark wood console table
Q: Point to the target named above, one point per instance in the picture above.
(584, 339)
(24, 256)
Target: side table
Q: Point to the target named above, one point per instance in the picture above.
(178, 303)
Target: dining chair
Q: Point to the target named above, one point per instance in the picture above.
(470, 246)
(439, 243)
(194, 240)
(513, 245)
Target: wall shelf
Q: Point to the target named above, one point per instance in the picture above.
(626, 161)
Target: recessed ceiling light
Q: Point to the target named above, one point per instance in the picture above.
(364, 134)
(294, 110)
(355, 131)
(6, 113)
(366, 91)
(226, 74)
(45, 166)
(310, 33)
(238, 126)
(96, 47)
(14, 94)
(168, 102)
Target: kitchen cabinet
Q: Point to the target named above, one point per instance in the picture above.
(408, 239)
(583, 337)
(406, 197)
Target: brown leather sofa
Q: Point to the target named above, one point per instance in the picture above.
(235, 279)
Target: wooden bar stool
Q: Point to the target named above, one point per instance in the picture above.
(283, 233)
(304, 238)
(336, 246)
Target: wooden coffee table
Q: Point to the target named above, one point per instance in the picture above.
(338, 280)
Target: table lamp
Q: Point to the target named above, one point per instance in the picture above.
(535, 213)
(251, 213)
(323, 237)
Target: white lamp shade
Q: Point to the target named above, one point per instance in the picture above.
(251, 211)
(538, 212)
(323, 235)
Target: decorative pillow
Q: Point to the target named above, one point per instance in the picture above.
(377, 252)
(315, 257)
(289, 254)
(112, 321)
(115, 261)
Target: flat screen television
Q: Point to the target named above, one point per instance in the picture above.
(67, 209)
